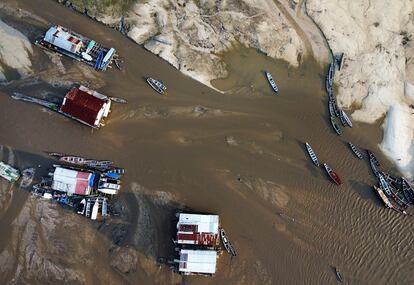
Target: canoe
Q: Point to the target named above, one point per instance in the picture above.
(331, 109)
(272, 82)
(118, 100)
(346, 118)
(383, 197)
(384, 185)
(312, 154)
(342, 118)
(332, 174)
(338, 275)
(335, 126)
(157, 85)
(355, 150)
(95, 209)
(227, 244)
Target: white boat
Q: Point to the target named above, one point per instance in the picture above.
(272, 82)
(104, 209)
(157, 85)
(95, 209)
(312, 154)
(346, 118)
(9, 173)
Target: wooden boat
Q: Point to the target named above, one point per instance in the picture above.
(118, 100)
(355, 150)
(328, 86)
(157, 85)
(331, 109)
(339, 60)
(346, 118)
(383, 197)
(335, 126)
(407, 190)
(373, 162)
(331, 73)
(338, 275)
(227, 244)
(332, 174)
(272, 82)
(312, 154)
(78, 160)
(342, 119)
(335, 107)
(384, 185)
(9, 173)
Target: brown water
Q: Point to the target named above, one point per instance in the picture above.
(289, 223)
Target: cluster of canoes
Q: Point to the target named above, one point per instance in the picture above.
(334, 111)
(394, 191)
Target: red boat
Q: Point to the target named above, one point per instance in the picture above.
(335, 178)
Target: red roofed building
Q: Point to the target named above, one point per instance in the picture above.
(87, 106)
(196, 229)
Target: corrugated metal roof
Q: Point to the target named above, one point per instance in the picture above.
(197, 229)
(82, 105)
(72, 181)
(198, 261)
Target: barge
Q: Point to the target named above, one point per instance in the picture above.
(66, 42)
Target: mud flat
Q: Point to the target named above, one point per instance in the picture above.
(245, 162)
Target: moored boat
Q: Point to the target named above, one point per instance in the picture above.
(355, 150)
(342, 119)
(226, 243)
(157, 85)
(312, 154)
(335, 126)
(383, 197)
(346, 118)
(9, 173)
(338, 275)
(272, 82)
(384, 185)
(64, 41)
(373, 162)
(331, 109)
(332, 174)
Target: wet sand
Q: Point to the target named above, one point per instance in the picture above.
(288, 222)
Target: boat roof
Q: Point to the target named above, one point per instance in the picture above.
(197, 229)
(198, 261)
(83, 106)
(72, 181)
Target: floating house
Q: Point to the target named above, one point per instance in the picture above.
(80, 103)
(9, 173)
(197, 262)
(86, 106)
(85, 189)
(76, 46)
(81, 182)
(197, 229)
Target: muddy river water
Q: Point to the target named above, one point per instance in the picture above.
(240, 155)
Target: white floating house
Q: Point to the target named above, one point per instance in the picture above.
(76, 46)
(72, 182)
(197, 229)
(197, 262)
